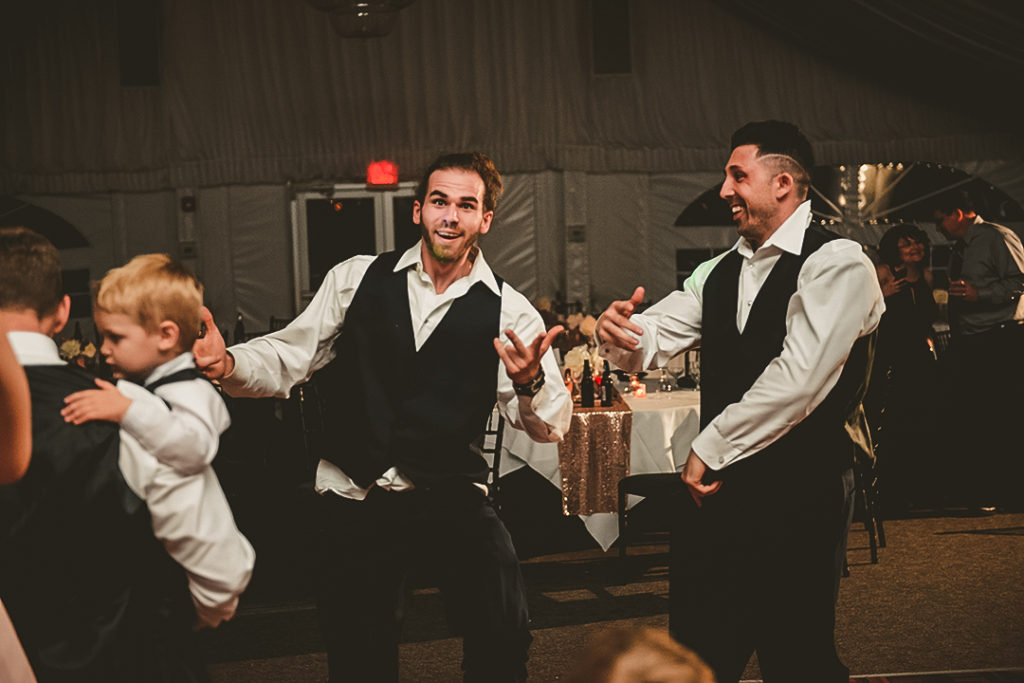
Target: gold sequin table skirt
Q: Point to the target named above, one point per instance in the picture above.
(594, 456)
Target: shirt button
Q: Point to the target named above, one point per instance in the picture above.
(720, 460)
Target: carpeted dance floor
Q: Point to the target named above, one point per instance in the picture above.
(947, 595)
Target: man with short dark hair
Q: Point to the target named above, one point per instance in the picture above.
(986, 317)
(784, 321)
(418, 365)
(108, 559)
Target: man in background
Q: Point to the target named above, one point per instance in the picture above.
(986, 317)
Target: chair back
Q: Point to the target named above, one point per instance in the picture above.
(491, 446)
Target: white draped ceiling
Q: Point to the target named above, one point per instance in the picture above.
(263, 91)
(257, 94)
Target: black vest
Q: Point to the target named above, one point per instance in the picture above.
(389, 405)
(92, 593)
(731, 362)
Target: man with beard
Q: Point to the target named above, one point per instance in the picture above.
(419, 363)
(784, 321)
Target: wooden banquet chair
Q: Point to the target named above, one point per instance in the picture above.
(655, 485)
(867, 502)
(494, 432)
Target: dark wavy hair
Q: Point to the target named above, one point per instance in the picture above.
(888, 246)
(476, 162)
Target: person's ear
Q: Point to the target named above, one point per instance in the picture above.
(416, 212)
(485, 225)
(169, 333)
(783, 185)
(60, 316)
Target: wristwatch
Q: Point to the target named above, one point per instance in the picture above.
(531, 387)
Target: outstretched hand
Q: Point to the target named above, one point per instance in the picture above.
(522, 361)
(105, 403)
(210, 351)
(613, 324)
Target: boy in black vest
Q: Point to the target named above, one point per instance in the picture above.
(784, 321)
(108, 559)
(425, 342)
(148, 313)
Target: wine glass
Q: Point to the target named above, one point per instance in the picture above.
(679, 367)
(663, 383)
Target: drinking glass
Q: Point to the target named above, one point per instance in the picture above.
(679, 367)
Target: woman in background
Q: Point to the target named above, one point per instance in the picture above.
(901, 400)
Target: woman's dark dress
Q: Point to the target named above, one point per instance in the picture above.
(902, 400)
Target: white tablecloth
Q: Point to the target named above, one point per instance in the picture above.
(664, 425)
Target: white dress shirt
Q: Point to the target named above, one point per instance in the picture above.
(837, 301)
(272, 364)
(190, 514)
(185, 435)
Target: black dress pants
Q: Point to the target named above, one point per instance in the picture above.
(755, 568)
(984, 415)
(367, 550)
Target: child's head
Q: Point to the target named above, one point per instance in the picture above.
(148, 313)
(632, 655)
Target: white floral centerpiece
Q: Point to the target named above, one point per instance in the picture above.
(574, 357)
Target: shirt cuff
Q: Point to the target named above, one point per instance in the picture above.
(713, 449)
(134, 420)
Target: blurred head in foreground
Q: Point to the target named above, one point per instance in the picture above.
(638, 655)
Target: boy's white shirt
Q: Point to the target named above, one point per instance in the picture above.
(185, 435)
(190, 514)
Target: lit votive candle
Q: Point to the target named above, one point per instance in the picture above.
(640, 391)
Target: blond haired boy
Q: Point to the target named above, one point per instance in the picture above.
(148, 312)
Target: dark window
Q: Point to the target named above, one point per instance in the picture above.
(76, 284)
(337, 229)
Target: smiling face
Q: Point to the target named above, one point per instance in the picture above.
(452, 216)
(752, 190)
(911, 250)
(131, 351)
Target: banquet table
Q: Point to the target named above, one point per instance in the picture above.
(663, 426)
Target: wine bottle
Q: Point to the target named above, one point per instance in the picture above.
(587, 386)
(606, 386)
